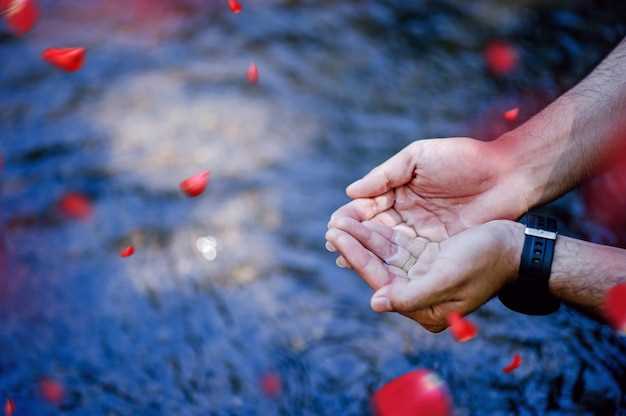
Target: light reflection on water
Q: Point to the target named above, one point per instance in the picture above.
(343, 85)
(207, 246)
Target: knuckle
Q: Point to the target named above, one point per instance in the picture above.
(401, 303)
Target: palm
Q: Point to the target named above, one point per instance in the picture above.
(458, 274)
(409, 226)
(454, 186)
(434, 189)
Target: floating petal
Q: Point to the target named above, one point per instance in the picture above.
(21, 15)
(419, 392)
(67, 59)
(514, 364)
(196, 184)
(614, 307)
(9, 407)
(252, 74)
(75, 205)
(511, 115)
(235, 6)
(271, 385)
(127, 251)
(501, 57)
(462, 329)
(51, 390)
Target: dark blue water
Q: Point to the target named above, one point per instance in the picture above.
(344, 84)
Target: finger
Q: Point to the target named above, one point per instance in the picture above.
(364, 209)
(340, 261)
(396, 171)
(390, 218)
(406, 295)
(428, 317)
(367, 265)
(375, 242)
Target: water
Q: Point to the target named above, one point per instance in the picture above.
(343, 86)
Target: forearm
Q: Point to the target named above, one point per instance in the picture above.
(572, 137)
(583, 272)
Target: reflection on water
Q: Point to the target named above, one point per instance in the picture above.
(230, 287)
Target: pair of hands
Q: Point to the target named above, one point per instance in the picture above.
(428, 229)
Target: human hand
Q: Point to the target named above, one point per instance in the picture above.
(439, 187)
(425, 279)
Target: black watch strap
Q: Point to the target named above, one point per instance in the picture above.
(530, 292)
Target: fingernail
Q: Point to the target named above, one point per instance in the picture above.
(353, 183)
(381, 304)
(330, 247)
(342, 263)
(336, 221)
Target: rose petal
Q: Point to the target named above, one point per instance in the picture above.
(462, 329)
(9, 407)
(419, 392)
(501, 57)
(614, 307)
(67, 59)
(21, 15)
(514, 364)
(195, 185)
(235, 6)
(511, 115)
(127, 251)
(252, 74)
(75, 205)
(51, 390)
(271, 385)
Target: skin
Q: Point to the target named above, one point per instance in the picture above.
(438, 200)
(426, 280)
(412, 190)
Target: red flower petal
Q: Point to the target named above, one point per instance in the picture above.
(501, 57)
(515, 363)
(252, 74)
(462, 329)
(75, 205)
(271, 385)
(196, 184)
(614, 307)
(21, 15)
(127, 251)
(235, 6)
(418, 392)
(67, 59)
(9, 407)
(511, 115)
(51, 390)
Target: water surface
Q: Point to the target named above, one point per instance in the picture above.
(344, 85)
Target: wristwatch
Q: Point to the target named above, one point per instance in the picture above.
(530, 292)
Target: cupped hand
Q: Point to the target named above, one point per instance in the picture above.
(426, 279)
(437, 188)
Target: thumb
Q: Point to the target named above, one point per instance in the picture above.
(396, 171)
(405, 295)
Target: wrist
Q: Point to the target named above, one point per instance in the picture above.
(511, 237)
(531, 156)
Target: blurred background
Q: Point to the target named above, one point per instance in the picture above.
(263, 322)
